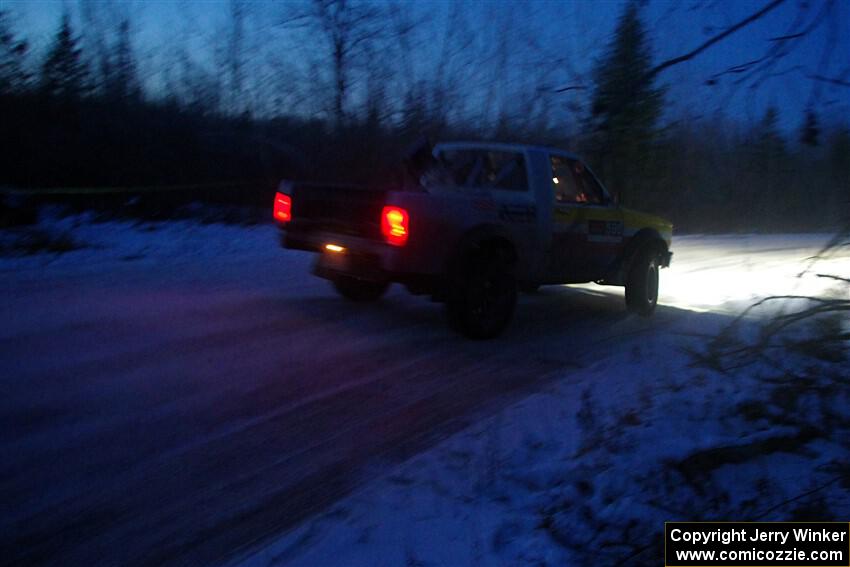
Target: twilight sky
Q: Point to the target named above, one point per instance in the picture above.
(552, 43)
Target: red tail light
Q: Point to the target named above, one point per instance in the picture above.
(282, 207)
(395, 225)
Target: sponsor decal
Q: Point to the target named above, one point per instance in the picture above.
(605, 228)
(517, 213)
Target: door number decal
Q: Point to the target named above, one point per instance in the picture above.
(605, 228)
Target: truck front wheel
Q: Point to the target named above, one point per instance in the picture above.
(482, 299)
(642, 284)
(359, 290)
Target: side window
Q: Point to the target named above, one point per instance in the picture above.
(485, 169)
(563, 182)
(504, 170)
(589, 189)
(572, 183)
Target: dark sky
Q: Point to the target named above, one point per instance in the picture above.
(567, 37)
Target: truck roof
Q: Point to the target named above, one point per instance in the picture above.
(505, 147)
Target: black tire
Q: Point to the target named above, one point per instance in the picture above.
(354, 289)
(483, 296)
(642, 283)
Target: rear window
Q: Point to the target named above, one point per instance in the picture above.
(481, 169)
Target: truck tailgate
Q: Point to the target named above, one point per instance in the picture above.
(342, 209)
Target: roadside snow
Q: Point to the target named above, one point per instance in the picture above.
(114, 242)
(588, 471)
(750, 267)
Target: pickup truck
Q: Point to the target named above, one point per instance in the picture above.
(472, 223)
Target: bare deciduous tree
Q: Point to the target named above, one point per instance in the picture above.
(348, 28)
(235, 45)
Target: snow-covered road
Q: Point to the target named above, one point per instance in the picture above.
(183, 393)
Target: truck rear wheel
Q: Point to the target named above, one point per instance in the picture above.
(359, 290)
(482, 300)
(642, 284)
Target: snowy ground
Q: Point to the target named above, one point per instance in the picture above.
(181, 393)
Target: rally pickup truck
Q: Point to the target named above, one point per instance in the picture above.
(472, 223)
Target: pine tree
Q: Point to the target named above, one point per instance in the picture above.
(839, 158)
(810, 132)
(626, 104)
(769, 190)
(769, 145)
(64, 74)
(13, 75)
(122, 81)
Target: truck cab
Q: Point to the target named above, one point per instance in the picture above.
(470, 223)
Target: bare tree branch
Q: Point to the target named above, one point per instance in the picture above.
(831, 80)
(832, 277)
(787, 37)
(719, 37)
(570, 88)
